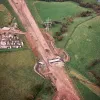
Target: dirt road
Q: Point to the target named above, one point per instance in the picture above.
(45, 50)
(93, 87)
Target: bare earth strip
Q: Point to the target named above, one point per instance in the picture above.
(45, 51)
(94, 88)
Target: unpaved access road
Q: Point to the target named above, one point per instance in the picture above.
(45, 51)
(93, 87)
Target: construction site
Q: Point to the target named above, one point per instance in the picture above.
(50, 60)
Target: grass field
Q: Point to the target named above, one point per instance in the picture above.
(83, 47)
(18, 81)
(54, 10)
(5, 16)
(17, 78)
(57, 11)
(16, 74)
(71, 28)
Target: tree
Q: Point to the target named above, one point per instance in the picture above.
(59, 38)
(58, 33)
(70, 20)
(85, 13)
(63, 29)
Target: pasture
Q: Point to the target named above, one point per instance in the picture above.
(83, 46)
(5, 16)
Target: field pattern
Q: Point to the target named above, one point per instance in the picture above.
(20, 82)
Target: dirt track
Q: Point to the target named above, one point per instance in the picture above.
(94, 88)
(45, 50)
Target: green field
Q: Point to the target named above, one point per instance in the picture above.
(54, 10)
(18, 79)
(16, 75)
(83, 46)
(71, 29)
(57, 11)
(5, 16)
